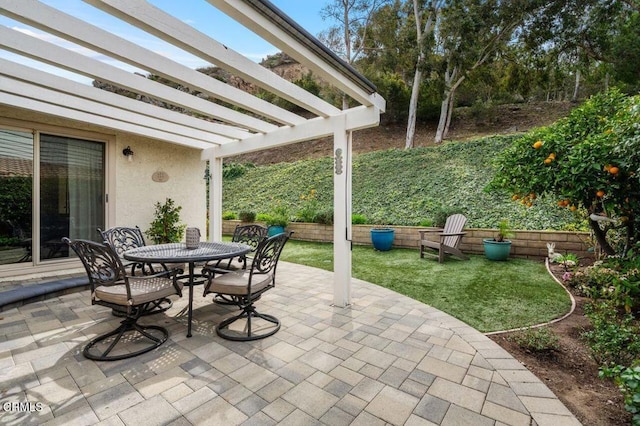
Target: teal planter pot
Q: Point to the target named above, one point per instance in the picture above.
(496, 250)
(382, 238)
(274, 230)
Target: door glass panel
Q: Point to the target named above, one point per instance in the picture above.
(16, 189)
(72, 187)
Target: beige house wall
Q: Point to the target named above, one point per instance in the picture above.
(525, 244)
(158, 170)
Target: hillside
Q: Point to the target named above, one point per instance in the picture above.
(397, 187)
(466, 124)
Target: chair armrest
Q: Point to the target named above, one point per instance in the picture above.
(452, 234)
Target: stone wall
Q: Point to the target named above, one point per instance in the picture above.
(526, 244)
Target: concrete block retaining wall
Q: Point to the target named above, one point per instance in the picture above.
(526, 244)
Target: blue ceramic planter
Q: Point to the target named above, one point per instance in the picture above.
(496, 250)
(274, 230)
(382, 238)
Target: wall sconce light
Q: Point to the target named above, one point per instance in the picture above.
(127, 152)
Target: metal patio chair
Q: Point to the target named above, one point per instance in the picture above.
(112, 287)
(246, 286)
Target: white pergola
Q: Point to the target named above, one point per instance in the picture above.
(218, 131)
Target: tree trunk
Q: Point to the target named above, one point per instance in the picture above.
(444, 108)
(449, 114)
(576, 87)
(601, 238)
(413, 108)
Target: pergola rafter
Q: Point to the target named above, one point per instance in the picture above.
(243, 123)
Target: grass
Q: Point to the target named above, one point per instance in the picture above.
(488, 296)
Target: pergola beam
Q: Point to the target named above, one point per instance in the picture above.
(170, 29)
(34, 48)
(67, 27)
(218, 133)
(109, 123)
(355, 119)
(9, 85)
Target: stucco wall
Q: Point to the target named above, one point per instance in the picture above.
(137, 192)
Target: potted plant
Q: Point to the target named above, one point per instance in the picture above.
(499, 248)
(277, 220)
(382, 238)
(166, 226)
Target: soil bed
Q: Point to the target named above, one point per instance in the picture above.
(570, 372)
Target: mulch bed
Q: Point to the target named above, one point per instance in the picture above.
(570, 372)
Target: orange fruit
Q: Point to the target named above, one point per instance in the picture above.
(573, 208)
(529, 204)
(547, 161)
(561, 203)
(537, 145)
(552, 156)
(533, 196)
(600, 193)
(515, 197)
(614, 170)
(566, 202)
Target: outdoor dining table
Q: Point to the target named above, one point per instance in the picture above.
(179, 253)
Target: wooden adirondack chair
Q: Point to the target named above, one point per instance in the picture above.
(449, 238)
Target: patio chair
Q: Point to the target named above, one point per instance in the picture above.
(251, 235)
(245, 286)
(111, 287)
(449, 239)
(123, 238)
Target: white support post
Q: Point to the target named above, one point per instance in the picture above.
(342, 216)
(215, 197)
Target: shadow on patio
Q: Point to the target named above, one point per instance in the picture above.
(385, 360)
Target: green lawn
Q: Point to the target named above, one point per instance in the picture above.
(487, 295)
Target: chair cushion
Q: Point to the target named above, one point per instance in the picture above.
(143, 290)
(236, 283)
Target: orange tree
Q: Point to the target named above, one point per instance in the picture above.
(587, 162)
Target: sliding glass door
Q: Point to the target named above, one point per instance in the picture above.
(67, 178)
(16, 196)
(72, 192)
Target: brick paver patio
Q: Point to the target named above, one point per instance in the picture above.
(387, 359)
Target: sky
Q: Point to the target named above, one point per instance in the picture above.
(197, 13)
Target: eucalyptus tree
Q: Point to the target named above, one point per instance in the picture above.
(584, 36)
(349, 32)
(471, 34)
(425, 18)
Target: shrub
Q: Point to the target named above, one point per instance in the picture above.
(247, 216)
(628, 381)
(536, 340)
(229, 216)
(234, 170)
(426, 223)
(615, 338)
(263, 217)
(358, 219)
(310, 207)
(325, 217)
(166, 227)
